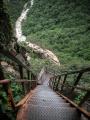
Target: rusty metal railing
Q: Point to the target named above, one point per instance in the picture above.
(26, 84)
(69, 89)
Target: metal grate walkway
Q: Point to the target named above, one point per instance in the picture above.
(45, 104)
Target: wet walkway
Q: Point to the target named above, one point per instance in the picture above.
(45, 104)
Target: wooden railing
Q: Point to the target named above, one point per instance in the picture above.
(26, 84)
(60, 84)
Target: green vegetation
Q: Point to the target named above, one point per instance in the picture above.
(5, 28)
(14, 8)
(62, 26)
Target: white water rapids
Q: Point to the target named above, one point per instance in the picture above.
(20, 37)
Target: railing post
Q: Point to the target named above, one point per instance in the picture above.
(54, 84)
(21, 76)
(30, 81)
(28, 84)
(7, 90)
(50, 82)
(1, 73)
(10, 96)
(65, 77)
(28, 74)
(56, 89)
(21, 71)
(77, 80)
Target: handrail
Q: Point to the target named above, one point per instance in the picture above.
(24, 81)
(77, 87)
(56, 84)
(27, 85)
(9, 90)
(13, 58)
(17, 81)
(73, 72)
(87, 114)
(4, 81)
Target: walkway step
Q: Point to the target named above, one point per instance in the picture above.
(45, 104)
(48, 100)
(51, 113)
(47, 97)
(50, 104)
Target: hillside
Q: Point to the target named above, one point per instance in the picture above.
(62, 26)
(14, 8)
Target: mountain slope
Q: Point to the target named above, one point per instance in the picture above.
(14, 8)
(62, 26)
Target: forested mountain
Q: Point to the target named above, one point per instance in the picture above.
(60, 26)
(63, 26)
(14, 8)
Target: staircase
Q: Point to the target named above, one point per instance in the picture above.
(41, 102)
(45, 104)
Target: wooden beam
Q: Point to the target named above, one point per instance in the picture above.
(10, 97)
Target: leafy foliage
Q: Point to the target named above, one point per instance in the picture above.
(5, 28)
(63, 26)
(14, 8)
